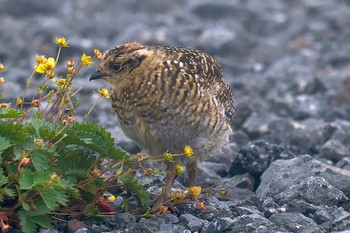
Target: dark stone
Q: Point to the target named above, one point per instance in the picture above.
(310, 135)
(124, 220)
(191, 222)
(171, 228)
(284, 173)
(322, 216)
(269, 207)
(243, 181)
(334, 150)
(242, 210)
(301, 206)
(313, 190)
(219, 225)
(145, 225)
(256, 156)
(295, 222)
(344, 163)
(249, 223)
(222, 207)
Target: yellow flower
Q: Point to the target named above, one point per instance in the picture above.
(179, 169)
(195, 191)
(38, 142)
(104, 92)
(111, 198)
(86, 60)
(61, 41)
(61, 81)
(40, 59)
(188, 151)
(168, 156)
(19, 101)
(46, 67)
(2, 80)
(98, 53)
(2, 67)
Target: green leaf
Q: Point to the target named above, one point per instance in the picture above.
(44, 129)
(43, 221)
(40, 159)
(53, 197)
(4, 144)
(30, 220)
(26, 224)
(30, 180)
(134, 187)
(94, 137)
(10, 113)
(13, 131)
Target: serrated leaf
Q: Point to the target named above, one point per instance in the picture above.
(53, 197)
(134, 187)
(43, 221)
(44, 129)
(4, 144)
(95, 137)
(10, 113)
(30, 180)
(40, 159)
(27, 226)
(13, 131)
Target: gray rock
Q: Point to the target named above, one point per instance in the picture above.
(334, 150)
(242, 210)
(191, 222)
(301, 206)
(48, 231)
(284, 173)
(243, 181)
(249, 223)
(145, 225)
(221, 206)
(256, 156)
(124, 220)
(219, 225)
(314, 190)
(295, 222)
(171, 228)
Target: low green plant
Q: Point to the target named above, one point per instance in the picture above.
(50, 162)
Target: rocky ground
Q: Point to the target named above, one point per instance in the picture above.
(287, 168)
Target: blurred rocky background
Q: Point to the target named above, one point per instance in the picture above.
(288, 63)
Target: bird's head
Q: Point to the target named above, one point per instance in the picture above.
(119, 62)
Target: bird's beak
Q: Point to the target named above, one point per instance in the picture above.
(97, 75)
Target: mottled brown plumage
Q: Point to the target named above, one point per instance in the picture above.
(168, 97)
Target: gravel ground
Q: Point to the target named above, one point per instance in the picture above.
(287, 168)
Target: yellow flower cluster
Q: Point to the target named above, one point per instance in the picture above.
(195, 191)
(45, 66)
(98, 53)
(2, 80)
(2, 67)
(61, 41)
(104, 92)
(86, 60)
(188, 151)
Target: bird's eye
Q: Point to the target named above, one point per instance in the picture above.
(117, 67)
